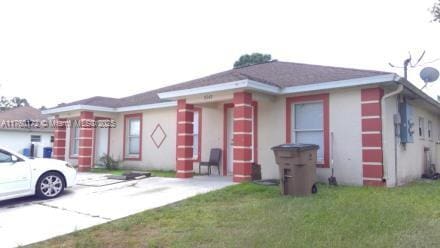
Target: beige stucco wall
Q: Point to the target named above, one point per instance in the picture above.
(152, 156)
(344, 108)
(410, 157)
(345, 124)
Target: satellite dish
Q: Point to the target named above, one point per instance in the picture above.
(429, 74)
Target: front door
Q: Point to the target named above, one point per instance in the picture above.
(101, 146)
(15, 175)
(229, 142)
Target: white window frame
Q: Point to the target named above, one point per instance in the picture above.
(34, 136)
(129, 137)
(74, 143)
(430, 134)
(421, 127)
(294, 130)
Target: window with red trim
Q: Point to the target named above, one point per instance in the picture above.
(307, 121)
(133, 136)
(197, 131)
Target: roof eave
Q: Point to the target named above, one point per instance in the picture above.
(247, 84)
(340, 84)
(411, 87)
(234, 85)
(109, 110)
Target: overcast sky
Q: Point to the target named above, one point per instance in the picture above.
(60, 51)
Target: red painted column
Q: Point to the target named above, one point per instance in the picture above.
(184, 144)
(85, 150)
(372, 153)
(242, 137)
(59, 143)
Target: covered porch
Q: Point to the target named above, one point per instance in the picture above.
(227, 121)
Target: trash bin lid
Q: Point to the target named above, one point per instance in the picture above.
(296, 147)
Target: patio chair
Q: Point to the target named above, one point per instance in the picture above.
(214, 160)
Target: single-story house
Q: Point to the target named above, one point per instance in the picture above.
(372, 127)
(20, 127)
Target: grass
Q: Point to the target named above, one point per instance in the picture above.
(118, 172)
(249, 215)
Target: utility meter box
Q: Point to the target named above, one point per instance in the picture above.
(406, 123)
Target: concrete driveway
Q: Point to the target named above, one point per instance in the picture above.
(95, 201)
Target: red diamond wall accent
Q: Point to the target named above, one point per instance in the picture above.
(158, 136)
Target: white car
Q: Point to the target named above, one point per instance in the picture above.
(21, 176)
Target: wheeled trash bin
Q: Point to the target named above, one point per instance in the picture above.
(297, 168)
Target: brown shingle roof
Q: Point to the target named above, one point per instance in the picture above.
(275, 73)
(22, 113)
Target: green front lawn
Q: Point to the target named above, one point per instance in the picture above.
(249, 215)
(118, 172)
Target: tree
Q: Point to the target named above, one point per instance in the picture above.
(19, 102)
(436, 11)
(14, 102)
(253, 59)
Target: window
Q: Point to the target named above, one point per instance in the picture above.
(421, 127)
(308, 125)
(197, 133)
(307, 121)
(430, 130)
(133, 133)
(35, 138)
(74, 141)
(5, 157)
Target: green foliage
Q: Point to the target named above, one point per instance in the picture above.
(253, 59)
(11, 103)
(109, 162)
(436, 11)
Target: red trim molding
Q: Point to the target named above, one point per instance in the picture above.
(311, 98)
(126, 117)
(86, 140)
(158, 126)
(184, 139)
(59, 143)
(372, 150)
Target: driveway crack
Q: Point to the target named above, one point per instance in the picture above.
(74, 211)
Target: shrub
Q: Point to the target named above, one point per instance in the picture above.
(109, 162)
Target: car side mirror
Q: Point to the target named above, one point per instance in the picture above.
(14, 159)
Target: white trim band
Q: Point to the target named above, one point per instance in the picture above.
(185, 110)
(185, 146)
(369, 102)
(242, 105)
(185, 134)
(243, 119)
(242, 133)
(372, 163)
(185, 159)
(372, 179)
(242, 176)
(371, 132)
(370, 117)
(242, 147)
(371, 148)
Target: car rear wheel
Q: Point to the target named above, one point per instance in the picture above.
(50, 185)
